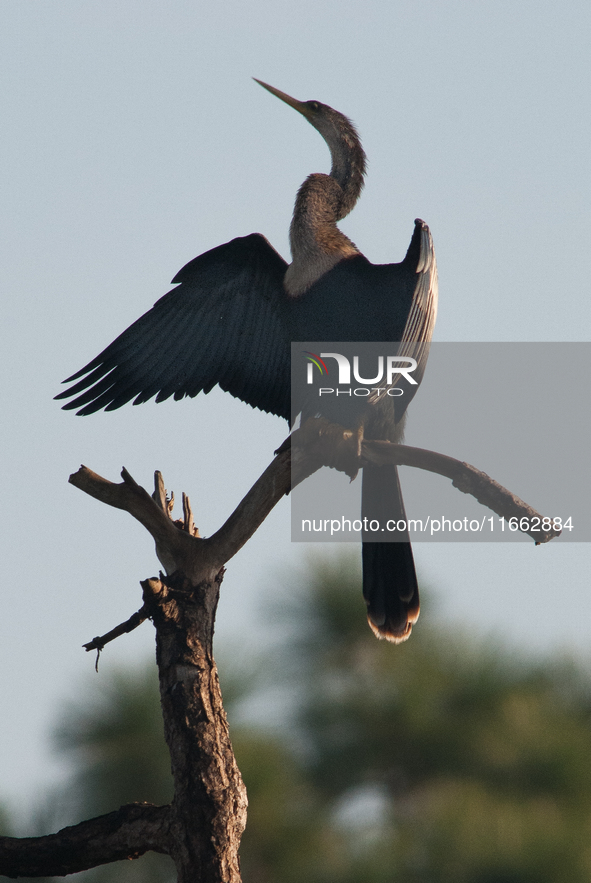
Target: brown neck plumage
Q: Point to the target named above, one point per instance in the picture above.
(316, 242)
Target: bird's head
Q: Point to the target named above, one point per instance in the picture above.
(348, 156)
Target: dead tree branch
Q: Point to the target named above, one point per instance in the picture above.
(124, 628)
(320, 443)
(465, 478)
(126, 833)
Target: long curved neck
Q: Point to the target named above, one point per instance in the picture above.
(316, 242)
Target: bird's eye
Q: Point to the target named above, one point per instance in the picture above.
(314, 105)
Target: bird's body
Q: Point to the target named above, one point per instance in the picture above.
(238, 307)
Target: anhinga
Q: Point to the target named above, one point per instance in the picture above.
(236, 309)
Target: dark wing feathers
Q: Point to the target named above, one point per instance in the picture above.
(223, 325)
(229, 323)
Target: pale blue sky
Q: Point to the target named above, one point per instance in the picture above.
(132, 140)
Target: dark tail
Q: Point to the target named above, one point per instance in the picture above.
(390, 584)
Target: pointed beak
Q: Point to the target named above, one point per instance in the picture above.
(300, 106)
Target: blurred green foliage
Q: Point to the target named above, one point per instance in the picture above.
(443, 759)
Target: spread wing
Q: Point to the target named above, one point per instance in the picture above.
(224, 324)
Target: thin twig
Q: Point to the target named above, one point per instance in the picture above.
(124, 628)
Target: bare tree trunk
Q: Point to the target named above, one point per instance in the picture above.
(208, 812)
